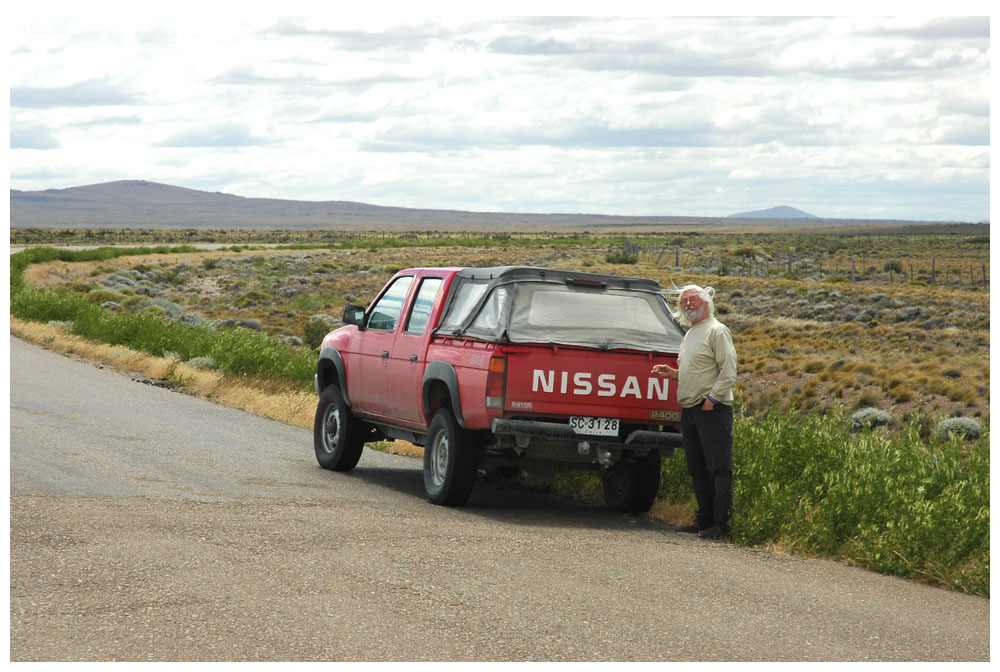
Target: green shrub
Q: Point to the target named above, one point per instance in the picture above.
(254, 297)
(102, 295)
(202, 363)
(897, 505)
(621, 258)
(317, 328)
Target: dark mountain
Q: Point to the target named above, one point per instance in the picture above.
(780, 212)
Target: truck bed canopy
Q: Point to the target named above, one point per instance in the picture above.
(535, 305)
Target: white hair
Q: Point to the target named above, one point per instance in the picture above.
(707, 295)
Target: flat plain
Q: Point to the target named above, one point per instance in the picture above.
(897, 322)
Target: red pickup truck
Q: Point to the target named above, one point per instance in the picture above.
(507, 368)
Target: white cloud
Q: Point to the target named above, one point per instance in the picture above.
(33, 137)
(656, 116)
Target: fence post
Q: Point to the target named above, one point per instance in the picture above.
(933, 270)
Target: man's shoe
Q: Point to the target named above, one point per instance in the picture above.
(690, 528)
(712, 533)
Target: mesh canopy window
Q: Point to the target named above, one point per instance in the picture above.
(593, 311)
(606, 318)
(528, 305)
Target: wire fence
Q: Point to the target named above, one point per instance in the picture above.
(744, 262)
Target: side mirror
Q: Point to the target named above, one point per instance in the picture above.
(354, 315)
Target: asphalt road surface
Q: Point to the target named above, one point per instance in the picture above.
(150, 525)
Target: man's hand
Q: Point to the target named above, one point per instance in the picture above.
(665, 371)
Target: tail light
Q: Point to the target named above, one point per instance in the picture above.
(496, 383)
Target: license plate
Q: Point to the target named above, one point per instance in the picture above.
(583, 424)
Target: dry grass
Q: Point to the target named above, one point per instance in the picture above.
(672, 513)
(281, 403)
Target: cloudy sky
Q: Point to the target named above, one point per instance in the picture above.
(707, 116)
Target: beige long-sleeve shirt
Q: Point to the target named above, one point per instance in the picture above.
(706, 364)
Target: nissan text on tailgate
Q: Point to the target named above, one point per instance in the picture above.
(504, 369)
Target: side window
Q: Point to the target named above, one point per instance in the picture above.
(420, 313)
(489, 316)
(466, 298)
(385, 313)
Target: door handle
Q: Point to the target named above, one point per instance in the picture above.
(385, 353)
(413, 358)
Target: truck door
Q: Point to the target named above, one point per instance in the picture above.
(408, 356)
(367, 378)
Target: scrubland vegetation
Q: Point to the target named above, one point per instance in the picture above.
(863, 398)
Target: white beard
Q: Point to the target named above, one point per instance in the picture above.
(693, 314)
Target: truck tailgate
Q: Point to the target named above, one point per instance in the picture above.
(558, 381)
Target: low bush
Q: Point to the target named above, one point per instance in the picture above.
(317, 328)
(963, 427)
(103, 295)
(202, 363)
(621, 258)
(895, 504)
(867, 418)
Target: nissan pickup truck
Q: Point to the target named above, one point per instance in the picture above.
(506, 369)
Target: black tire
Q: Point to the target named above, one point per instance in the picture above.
(631, 486)
(451, 458)
(337, 435)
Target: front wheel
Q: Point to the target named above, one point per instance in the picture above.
(631, 487)
(450, 461)
(337, 436)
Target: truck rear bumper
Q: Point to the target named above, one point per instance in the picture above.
(531, 436)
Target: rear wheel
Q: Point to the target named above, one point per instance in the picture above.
(337, 436)
(451, 458)
(631, 486)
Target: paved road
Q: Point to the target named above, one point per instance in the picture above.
(148, 525)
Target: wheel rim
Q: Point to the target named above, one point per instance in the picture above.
(331, 428)
(439, 458)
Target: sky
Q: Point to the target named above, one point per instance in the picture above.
(640, 114)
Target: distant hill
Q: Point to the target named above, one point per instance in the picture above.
(135, 204)
(780, 212)
(139, 204)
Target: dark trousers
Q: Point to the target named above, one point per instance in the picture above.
(708, 446)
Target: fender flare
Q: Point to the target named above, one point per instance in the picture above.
(445, 373)
(331, 358)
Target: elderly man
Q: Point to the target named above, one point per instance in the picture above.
(705, 377)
